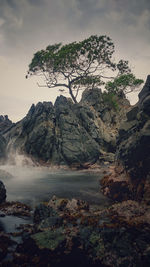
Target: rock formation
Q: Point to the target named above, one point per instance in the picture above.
(2, 147)
(67, 133)
(133, 152)
(5, 123)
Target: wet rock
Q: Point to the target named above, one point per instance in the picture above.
(52, 240)
(15, 208)
(115, 185)
(116, 236)
(52, 221)
(2, 192)
(70, 205)
(5, 243)
(42, 212)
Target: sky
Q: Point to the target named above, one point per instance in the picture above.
(27, 26)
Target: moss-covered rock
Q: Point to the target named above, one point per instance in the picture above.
(52, 240)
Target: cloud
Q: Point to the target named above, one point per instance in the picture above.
(30, 25)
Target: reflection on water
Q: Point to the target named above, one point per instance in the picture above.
(32, 185)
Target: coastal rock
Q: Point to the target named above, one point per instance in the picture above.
(115, 185)
(42, 212)
(2, 192)
(69, 134)
(133, 150)
(73, 205)
(116, 236)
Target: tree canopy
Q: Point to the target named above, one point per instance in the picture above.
(79, 65)
(125, 83)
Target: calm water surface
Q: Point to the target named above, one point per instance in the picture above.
(32, 185)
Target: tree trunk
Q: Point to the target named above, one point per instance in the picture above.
(72, 95)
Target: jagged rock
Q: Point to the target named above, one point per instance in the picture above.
(5, 123)
(2, 192)
(134, 145)
(2, 147)
(67, 133)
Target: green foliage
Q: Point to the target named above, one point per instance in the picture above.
(111, 100)
(77, 65)
(125, 83)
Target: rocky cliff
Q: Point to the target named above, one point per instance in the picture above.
(131, 175)
(67, 133)
(5, 124)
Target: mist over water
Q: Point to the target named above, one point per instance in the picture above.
(31, 184)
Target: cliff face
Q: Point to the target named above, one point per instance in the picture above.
(134, 144)
(131, 175)
(67, 133)
(5, 124)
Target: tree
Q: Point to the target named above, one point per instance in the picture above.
(77, 65)
(124, 84)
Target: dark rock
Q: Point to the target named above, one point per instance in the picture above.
(15, 209)
(53, 221)
(133, 150)
(145, 91)
(67, 133)
(5, 124)
(2, 192)
(52, 240)
(42, 212)
(2, 147)
(5, 243)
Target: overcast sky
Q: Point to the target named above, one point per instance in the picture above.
(30, 25)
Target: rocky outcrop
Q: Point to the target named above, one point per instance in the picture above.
(5, 123)
(2, 192)
(70, 233)
(69, 134)
(133, 149)
(2, 147)
(134, 144)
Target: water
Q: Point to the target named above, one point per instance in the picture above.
(32, 185)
